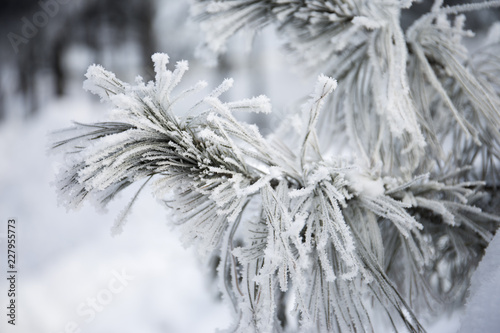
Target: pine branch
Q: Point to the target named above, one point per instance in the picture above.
(395, 87)
(321, 228)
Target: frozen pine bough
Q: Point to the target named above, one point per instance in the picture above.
(307, 241)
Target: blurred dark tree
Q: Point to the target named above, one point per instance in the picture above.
(98, 24)
(11, 12)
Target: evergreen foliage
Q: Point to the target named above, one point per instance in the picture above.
(305, 237)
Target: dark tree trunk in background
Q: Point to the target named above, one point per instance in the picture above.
(146, 37)
(57, 66)
(27, 66)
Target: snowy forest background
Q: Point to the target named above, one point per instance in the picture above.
(67, 257)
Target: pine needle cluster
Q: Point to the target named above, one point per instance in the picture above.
(305, 238)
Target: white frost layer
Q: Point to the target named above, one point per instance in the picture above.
(482, 312)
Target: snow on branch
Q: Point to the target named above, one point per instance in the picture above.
(315, 227)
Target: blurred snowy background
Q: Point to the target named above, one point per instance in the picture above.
(68, 261)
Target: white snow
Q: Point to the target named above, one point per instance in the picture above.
(366, 184)
(482, 311)
(366, 22)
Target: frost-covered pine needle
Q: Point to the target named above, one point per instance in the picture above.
(335, 244)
